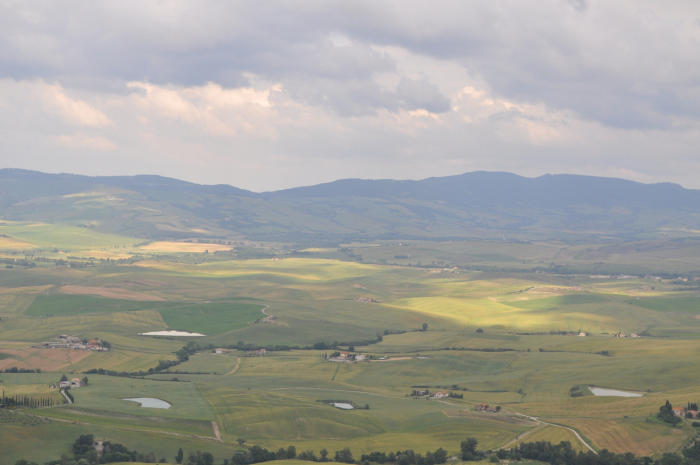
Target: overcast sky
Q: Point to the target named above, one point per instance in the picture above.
(266, 95)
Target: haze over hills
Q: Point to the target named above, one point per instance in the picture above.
(477, 204)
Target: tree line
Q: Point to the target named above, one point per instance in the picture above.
(83, 453)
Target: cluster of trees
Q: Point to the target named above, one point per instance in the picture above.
(257, 454)
(184, 353)
(26, 401)
(22, 370)
(564, 454)
(406, 457)
(666, 414)
(83, 453)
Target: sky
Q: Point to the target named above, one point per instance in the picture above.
(277, 94)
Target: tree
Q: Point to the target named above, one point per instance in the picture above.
(179, 456)
(182, 355)
(468, 447)
(324, 455)
(479, 330)
(425, 326)
(206, 459)
(64, 378)
(344, 456)
(241, 441)
(291, 452)
(85, 381)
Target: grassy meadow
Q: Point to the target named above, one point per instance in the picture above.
(502, 335)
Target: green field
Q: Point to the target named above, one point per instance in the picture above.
(498, 337)
(212, 317)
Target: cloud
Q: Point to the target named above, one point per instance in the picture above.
(81, 141)
(267, 95)
(73, 111)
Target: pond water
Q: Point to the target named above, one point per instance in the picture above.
(343, 405)
(612, 392)
(150, 402)
(170, 332)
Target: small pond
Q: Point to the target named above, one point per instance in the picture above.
(343, 405)
(171, 332)
(612, 392)
(150, 402)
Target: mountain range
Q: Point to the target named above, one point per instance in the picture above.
(470, 205)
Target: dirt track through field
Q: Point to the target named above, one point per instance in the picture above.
(238, 362)
(215, 426)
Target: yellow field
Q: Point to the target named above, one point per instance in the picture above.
(555, 435)
(634, 435)
(109, 292)
(13, 244)
(182, 247)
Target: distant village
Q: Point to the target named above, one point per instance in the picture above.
(70, 342)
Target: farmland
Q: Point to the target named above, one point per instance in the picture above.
(504, 337)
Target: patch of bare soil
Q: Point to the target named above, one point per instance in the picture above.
(109, 292)
(46, 359)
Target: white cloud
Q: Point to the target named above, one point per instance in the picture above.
(73, 111)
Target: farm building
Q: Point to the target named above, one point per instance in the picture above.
(221, 351)
(441, 394)
(481, 407)
(679, 412)
(75, 383)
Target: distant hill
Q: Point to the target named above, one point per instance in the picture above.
(478, 204)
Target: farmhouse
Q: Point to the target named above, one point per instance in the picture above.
(480, 407)
(441, 394)
(76, 383)
(64, 384)
(221, 351)
(678, 411)
(692, 413)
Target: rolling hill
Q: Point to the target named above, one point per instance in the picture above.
(471, 205)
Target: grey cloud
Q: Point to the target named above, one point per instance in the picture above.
(588, 56)
(416, 94)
